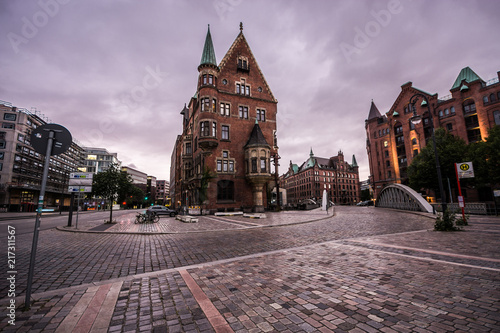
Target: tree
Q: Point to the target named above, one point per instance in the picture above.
(422, 171)
(111, 184)
(485, 157)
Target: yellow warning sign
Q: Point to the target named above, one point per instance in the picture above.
(465, 170)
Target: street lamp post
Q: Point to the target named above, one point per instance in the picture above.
(416, 119)
(276, 158)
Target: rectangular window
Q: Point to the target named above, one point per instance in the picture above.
(204, 129)
(262, 165)
(219, 166)
(247, 90)
(20, 137)
(238, 88)
(214, 105)
(204, 78)
(224, 165)
(188, 148)
(496, 116)
(227, 110)
(10, 116)
(225, 132)
(243, 112)
(8, 125)
(214, 129)
(1, 155)
(261, 115)
(231, 166)
(210, 79)
(449, 126)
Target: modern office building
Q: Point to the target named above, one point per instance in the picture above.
(162, 192)
(222, 160)
(98, 159)
(21, 167)
(392, 140)
(317, 174)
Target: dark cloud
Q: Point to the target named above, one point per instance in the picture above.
(117, 73)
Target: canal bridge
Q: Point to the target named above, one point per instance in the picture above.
(399, 196)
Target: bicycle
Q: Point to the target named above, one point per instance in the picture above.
(146, 218)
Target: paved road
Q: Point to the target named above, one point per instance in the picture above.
(363, 270)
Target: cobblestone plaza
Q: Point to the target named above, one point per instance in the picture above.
(364, 269)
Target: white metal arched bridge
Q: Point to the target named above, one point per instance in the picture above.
(400, 196)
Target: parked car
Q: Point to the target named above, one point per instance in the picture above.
(365, 203)
(161, 210)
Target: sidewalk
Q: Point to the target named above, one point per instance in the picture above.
(206, 223)
(417, 281)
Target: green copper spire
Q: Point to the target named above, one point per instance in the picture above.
(208, 56)
(354, 163)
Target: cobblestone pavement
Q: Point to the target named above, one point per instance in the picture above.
(364, 270)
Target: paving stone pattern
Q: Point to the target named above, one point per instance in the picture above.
(364, 270)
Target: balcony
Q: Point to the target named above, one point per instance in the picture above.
(208, 142)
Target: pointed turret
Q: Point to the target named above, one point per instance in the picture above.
(354, 164)
(468, 75)
(256, 138)
(374, 112)
(208, 55)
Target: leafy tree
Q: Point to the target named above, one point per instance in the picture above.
(422, 171)
(112, 184)
(492, 157)
(365, 195)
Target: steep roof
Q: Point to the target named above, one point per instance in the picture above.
(374, 112)
(208, 55)
(354, 163)
(239, 40)
(466, 74)
(256, 137)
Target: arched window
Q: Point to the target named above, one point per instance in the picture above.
(493, 98)
(485, 99)
(469, 106)
(225, 190)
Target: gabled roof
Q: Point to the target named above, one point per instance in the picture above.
(374, 112)
(208, 55)
(466, 74)
(241, 39)
(256, 137)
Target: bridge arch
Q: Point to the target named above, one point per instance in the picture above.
(399, 196)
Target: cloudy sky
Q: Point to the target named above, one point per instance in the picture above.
(117, 73)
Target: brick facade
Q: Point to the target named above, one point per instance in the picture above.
(308, 181)
(471, 109)
(214, 166)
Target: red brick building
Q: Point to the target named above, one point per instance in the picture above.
(308, 181)
(392, 140)
(222, 159)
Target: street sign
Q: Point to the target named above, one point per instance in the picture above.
(80, 178)
(79, 189)
(61, 141)
(465, 170)
(461, 202)
(81, 175)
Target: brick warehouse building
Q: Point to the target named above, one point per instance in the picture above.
(308, 181)
(471, 109)
(222, 160)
